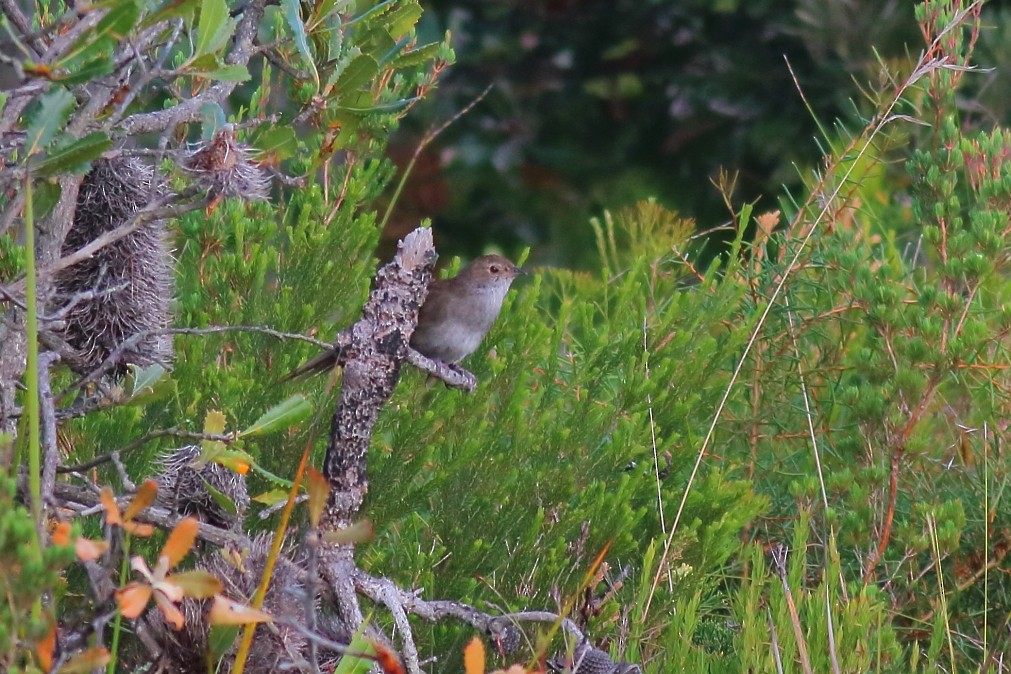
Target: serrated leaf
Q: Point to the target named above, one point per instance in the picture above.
(358, 72)
(171, 10)
(142, 499)
(181, 540)
(111, 29)
(230, 73)
(144, 378)
(213, 19)
(55, 107)
(44, 197)
(292, 14)
(284, 414)
(417, 56)
(272, 497)
(279, 141)
(222, 499)
(214, 422)
(99, 67)
(74, 157)
(403, 19)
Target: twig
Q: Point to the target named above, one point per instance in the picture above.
(140, 442)
(779, 554)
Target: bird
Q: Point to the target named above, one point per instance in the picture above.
(455, 317)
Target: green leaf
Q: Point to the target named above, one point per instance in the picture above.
(417, 56)
(272, 497)
(403, 19)
(220, 640)
(54, 110)
(350, 664)
(74, 157)
(44, 197)
(172, 9)
(222, 499)
(292, 14)
(360, 71)
(213, 119)
(284, 414)
(111, 30)
(229, 73)
(279, 141)
(89, 71)
(148, 384)
(145, 378)
(213, 21)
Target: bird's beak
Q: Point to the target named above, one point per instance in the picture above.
(520, 271)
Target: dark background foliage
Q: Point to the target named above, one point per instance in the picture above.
(599, 104)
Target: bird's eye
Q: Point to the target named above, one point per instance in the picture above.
(494, 269)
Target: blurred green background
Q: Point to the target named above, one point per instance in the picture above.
(596, 104)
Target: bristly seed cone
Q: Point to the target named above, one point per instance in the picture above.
(125, 287)
(202, 491)
(277, 647)
(224, 167)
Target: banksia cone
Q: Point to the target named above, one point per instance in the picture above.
(125, 287)
(223, 166)
(187, 490)
(278, 647)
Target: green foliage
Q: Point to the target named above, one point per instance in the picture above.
(25, 577)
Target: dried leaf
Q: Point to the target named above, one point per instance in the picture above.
(197, 584)
(108, 500)
(138, 529)
(224, 611)
(359, 532)
(214, 423)
(132, 599)
(145, 496)
(61, 534)
(173, 616)
(44, 648)
(319, 491)
(88, 550)
(181, 540)
(388, 660)
(86, 662)
(473, 657)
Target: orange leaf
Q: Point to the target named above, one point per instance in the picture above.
(138, 529)
(111, 507)
(224, 611)
(88, 661)
(61, 534)
(45, 647)
(388, 660)
(145, 496)
(88, 550)
(181, 540)
(197, 584)
(132, 599)
(173, 616)
(473, 657)
(319, 490)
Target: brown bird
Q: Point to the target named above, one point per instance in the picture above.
(455, 317)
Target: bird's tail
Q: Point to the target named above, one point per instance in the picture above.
(324, 362)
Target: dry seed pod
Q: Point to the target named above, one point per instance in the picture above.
(223, 166)
(125, 287)
(277, 647)
(202, 491)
